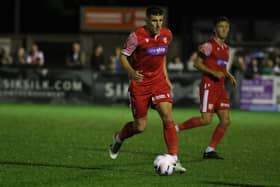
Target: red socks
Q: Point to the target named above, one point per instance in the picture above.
(127, 131)
(191, 123)
(171, 138)
(170, 135)
(217, 136)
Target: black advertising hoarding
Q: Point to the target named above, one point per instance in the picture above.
(112, 88)
(45, 86)
(83, 87)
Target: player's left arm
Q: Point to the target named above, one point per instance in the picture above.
(231, 78)
(166, 74)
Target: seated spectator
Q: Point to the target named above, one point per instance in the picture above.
(268, 67)
(118, 66)
(20, 57)
(176, 65)
(114, 65)
(238, 65)
(190, 62)
(254, 69)
(97, 59)
(35, 56)
(5, 58)
(77, 57)
(237, 69)
(276, 68)
(111, 66)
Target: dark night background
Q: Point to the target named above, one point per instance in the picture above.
(62, 16)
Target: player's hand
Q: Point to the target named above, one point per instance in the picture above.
(169, 84)
(137, 75)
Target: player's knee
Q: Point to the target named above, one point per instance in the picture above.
(141, 128)
(140, 125)
(205, 121)
(166, 117)
(225, 122)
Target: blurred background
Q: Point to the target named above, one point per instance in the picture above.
(66, 51)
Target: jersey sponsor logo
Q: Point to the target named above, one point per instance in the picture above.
(161, 50)
(222, 63)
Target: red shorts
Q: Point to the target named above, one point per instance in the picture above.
(149, 96)
(213, 97)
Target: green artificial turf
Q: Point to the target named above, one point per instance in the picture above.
(66, 146)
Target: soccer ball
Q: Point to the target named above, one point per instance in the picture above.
(164, 165)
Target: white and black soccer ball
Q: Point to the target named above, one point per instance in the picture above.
(164, 165)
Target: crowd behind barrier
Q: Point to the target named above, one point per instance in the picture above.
(252, 62)
(74, 59)
(69, 86)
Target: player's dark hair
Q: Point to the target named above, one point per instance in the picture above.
(221, 19)
(153, 10)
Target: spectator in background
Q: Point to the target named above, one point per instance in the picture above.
(5, 58)
(77, 57)
(117, 63)
(98, 59)
(111, 67)
(20, 57)
(276, 67)
(268, 67)
(190, 62)
(238, 69)
(176, 65)
(35, 56)
(254, 69)
(114, 65)
(238, 64)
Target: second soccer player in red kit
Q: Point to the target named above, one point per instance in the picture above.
(143, 57)
(212, 61)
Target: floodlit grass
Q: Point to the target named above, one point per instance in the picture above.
(48, 145)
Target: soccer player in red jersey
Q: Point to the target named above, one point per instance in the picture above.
(144, 59)
(212, 61)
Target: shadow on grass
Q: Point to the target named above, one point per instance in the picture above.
(109, 167)
(137, 152)
(33, 164)
(235, 184)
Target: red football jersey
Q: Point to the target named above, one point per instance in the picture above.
(217, 57)
(147, 53)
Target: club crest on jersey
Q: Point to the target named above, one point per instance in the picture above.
(147, 40)
(222, 63)
(164, 39)
(160, 50)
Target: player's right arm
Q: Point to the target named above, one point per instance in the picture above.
(129, 47)
(198, 64)
(204, 51)
(132, 74)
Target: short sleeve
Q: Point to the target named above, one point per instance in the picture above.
(130, 45)
(205, 49)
